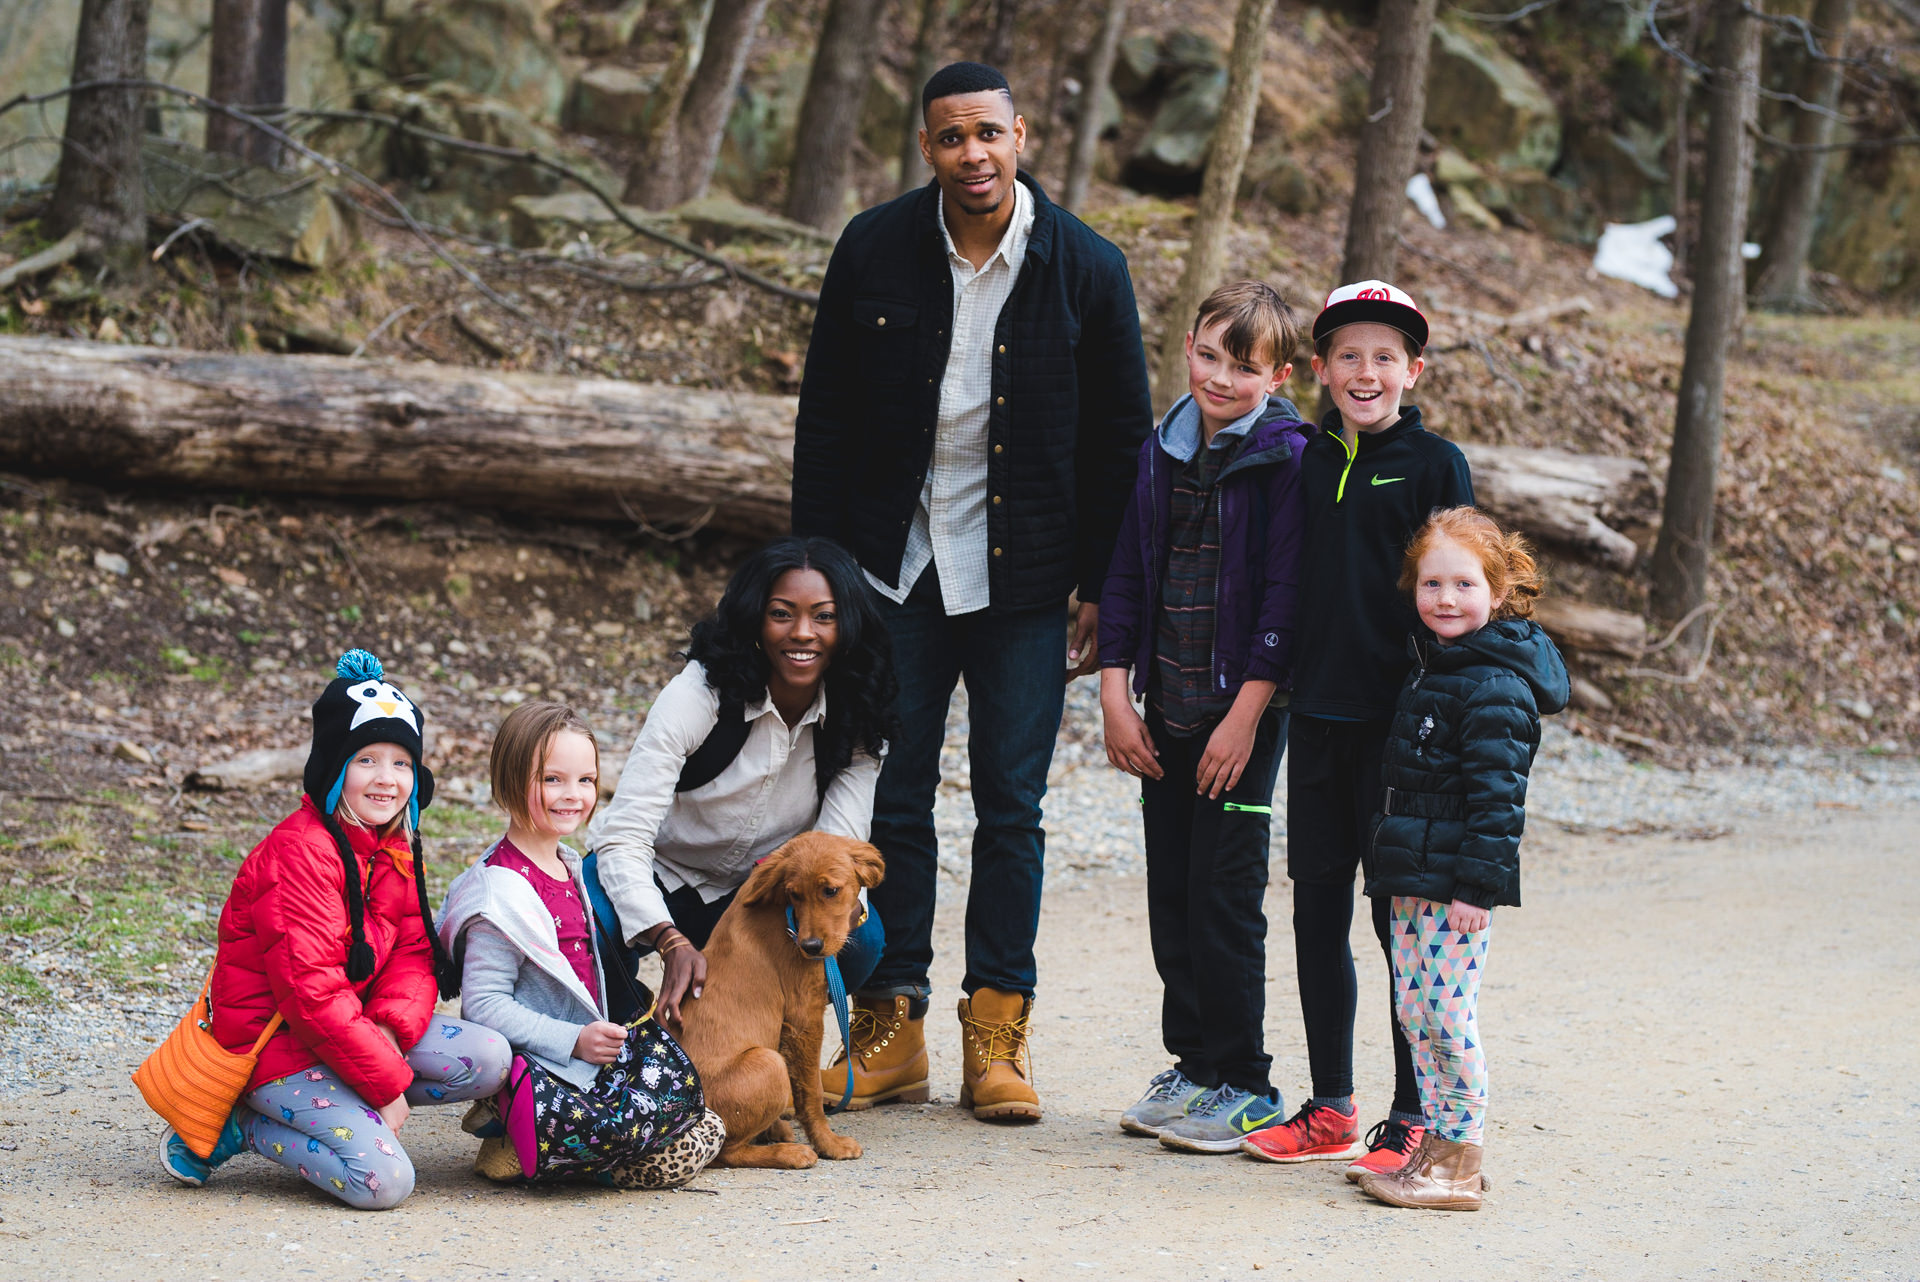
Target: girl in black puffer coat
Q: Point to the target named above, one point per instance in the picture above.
(1446, 839)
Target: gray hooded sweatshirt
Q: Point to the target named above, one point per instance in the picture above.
(513, 977)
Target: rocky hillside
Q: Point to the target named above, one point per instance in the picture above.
(1818, 581)
(1556, 122)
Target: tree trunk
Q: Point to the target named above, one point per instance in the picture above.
(1683, 143)
(232, 68)
(1086, 134)
(594, 449)
(1213, 218)
(1390, 140)
(928, 38)
(829, 125)
(655, 181)
(703, 115)
(534, 442)
(1000, 41)
(269, 77)
(1043, 135)
(1681, 556)
(1782, 284)
(99, 190)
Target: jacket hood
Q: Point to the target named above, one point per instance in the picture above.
(1519, 645)
(1179, 432)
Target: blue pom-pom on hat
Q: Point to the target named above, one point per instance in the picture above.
(360, 665)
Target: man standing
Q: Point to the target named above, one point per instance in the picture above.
(975, 398)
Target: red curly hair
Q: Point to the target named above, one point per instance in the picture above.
(1505, 556)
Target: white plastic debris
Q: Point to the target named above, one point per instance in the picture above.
(1632, 252)
(1748, 249)
(1420, 192)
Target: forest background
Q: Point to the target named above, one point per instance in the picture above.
(264, 249)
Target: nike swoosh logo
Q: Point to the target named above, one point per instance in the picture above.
(1247, 1127)
(1387, 480)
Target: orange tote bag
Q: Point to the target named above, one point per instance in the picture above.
(193, 1081)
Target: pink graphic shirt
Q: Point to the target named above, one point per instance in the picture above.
(562, 903)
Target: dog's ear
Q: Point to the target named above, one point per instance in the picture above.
(767, 884)
(868, 866)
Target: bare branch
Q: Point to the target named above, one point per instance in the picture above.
(573, 175)
(328, 163)
(1858, 144)
(1500, 18)
(1801, 27)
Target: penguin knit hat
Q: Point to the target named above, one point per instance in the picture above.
(358, 708)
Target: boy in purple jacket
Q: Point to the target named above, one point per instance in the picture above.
(1199, 602)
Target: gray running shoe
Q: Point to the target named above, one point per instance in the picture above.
(1164, 1103)
(1220, 1119)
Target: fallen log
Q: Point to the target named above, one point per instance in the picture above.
(1575, 501)
(1594, 629)
(585, 448)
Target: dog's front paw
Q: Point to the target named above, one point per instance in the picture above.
(837, 1148)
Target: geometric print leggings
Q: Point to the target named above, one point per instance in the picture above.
(1436, 986)
(314, 1123)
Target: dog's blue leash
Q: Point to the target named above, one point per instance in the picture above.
(837, 994)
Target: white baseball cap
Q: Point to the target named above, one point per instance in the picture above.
(1371, 302)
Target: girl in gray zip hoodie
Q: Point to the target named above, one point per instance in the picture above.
(522, 931)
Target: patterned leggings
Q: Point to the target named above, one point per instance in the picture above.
(1436, 985)
(313, 1123)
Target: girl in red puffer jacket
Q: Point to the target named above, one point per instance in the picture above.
(328, 924)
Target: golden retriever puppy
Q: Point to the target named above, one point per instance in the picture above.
(754, 1032)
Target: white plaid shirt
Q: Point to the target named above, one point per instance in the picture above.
(949, 526)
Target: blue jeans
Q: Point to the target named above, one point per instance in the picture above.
(1014, 665)
(857, 956)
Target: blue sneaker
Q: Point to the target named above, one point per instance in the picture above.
(187, 1166)
(1219, 1120)
(1165, 1103)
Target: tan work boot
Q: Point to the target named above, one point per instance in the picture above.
(1443, 1176)
(889, 1056)
(996, 1079)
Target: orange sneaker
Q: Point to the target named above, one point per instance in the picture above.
(1389, 1145)
(1317, 1133)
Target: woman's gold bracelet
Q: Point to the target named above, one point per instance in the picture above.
(671, 943)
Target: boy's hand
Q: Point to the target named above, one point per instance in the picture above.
(1129, 746)
(1467, 918)
(1228, 749)
(599, 1042)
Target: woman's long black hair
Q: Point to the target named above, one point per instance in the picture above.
(860, 683)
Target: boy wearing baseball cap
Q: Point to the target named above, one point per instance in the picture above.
(1370, 477)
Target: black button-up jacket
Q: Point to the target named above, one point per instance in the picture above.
(1069, 410)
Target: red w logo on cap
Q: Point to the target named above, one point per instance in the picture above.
(1373, 293)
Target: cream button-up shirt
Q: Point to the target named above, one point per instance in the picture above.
(710, 837)
(949, 529)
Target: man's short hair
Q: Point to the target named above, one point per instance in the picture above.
(1259, 322)
(962, 77)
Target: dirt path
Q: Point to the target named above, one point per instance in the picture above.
(1701, 1066)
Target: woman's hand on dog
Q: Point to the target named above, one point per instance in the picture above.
(599, 1042)
(684, 970)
